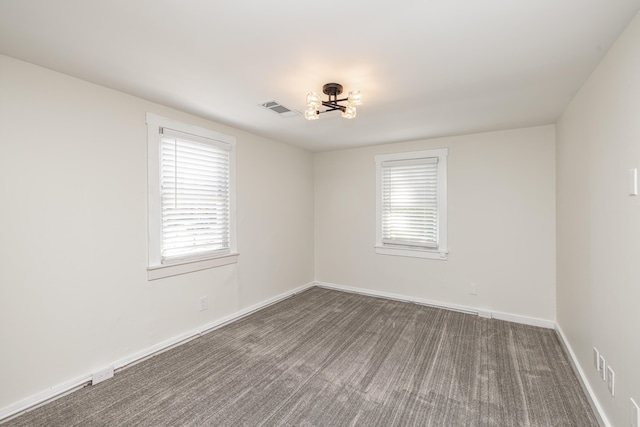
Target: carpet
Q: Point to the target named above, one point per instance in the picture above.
(330, 358)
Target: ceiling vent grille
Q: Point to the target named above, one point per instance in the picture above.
(279, 109)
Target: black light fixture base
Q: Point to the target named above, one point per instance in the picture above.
(332, 89)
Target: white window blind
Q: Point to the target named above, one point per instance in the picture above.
(194, 181)
(410, 202)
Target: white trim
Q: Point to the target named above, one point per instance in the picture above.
(168, 270)
(65, 388)
(510, 317)
(582, 378)
(413, 253)
(39, 399)
(195, 333)
(60, 390)
(156, 121)
(525, 320)
(404, 155)
(154, 221)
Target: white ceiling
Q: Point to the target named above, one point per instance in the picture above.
(426, 68)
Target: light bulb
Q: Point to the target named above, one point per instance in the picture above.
(355, 97)
(314, 100)
(349, 112)
(311, 113)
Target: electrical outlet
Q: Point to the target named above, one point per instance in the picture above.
(634, 414)
(473, 289)
(596, 359)
(603, 368)
(99, 376)
(633, 182)
(204, 303)
(611, 381)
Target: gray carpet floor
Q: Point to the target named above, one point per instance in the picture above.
(329, 358)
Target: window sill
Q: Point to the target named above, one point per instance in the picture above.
(160, 271)
(413, 253)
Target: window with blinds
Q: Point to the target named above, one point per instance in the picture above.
(194, 190)
(411, 204)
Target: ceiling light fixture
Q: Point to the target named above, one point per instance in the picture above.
(332, 90)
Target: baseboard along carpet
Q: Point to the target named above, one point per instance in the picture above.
(330, 358)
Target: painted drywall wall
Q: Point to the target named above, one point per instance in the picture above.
(598, 237)
(501, 224)
(74, 294)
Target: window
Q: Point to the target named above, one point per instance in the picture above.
(191, 198)
(411, 204)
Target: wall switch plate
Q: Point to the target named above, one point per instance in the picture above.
(633, 182)
(611, 381)
(204, 303)
(596, 359)
(104, 374)
(603, 368)
(634, 414)
(473, 289)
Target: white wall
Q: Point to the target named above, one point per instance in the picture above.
(74, 294)
(73, 289)
(501, 188)
(598, 281)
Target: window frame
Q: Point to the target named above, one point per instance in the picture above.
(441, 251)
(156, 269)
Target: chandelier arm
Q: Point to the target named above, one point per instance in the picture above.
(333, 106)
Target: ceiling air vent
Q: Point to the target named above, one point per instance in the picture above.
(280, 109)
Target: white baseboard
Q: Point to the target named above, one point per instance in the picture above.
(62, 389)
(525, 320)
(188, 336)
(586, 386)
(534, 321)
(67, 387)
(549, 324)
(42, 398)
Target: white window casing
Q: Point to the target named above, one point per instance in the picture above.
(191, 198)
(411, 204)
